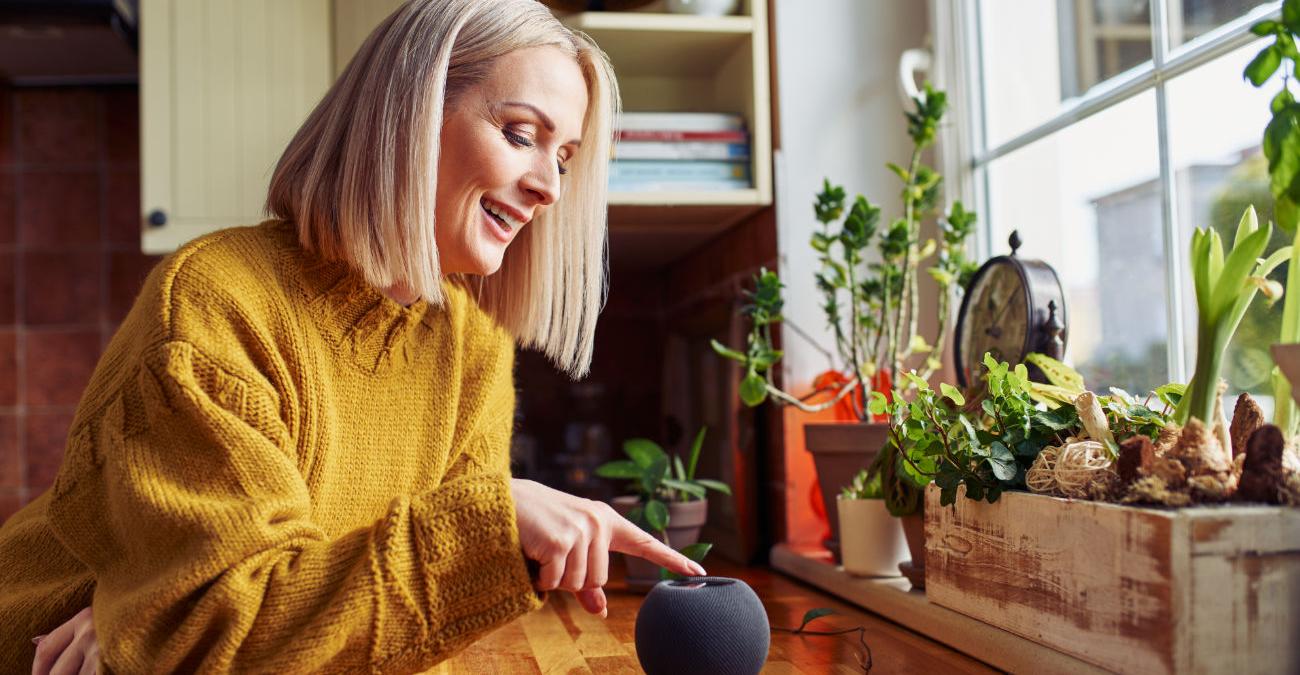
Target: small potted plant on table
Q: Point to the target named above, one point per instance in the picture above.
(669, 501)
(872, 542)
(873, 310)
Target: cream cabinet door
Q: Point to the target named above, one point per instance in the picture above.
(224, 84)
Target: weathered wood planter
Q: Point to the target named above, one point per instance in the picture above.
(1135, 590)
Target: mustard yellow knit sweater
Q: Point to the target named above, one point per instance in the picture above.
(275, 468)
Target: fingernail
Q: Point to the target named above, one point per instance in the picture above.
(604, 612)
(37, 640)
(699, 570)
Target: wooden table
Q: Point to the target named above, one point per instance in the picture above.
(563, 638)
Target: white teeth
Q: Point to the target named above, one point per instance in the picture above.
(509, 221)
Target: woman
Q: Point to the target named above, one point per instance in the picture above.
(293, 456)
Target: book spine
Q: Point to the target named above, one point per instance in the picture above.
(682, 121)
(680, 186)
(703, 170)
(681, 150)
(733, 136)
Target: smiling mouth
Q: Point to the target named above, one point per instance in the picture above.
(500, 216)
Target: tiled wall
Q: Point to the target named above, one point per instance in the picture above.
(70, 263)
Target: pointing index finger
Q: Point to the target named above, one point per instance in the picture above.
(632, 540)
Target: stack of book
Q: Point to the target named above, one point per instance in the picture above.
(676, 152)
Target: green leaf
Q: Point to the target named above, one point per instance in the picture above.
(1263, 65)
(619, 469)
(1291, 15)
(1057, 373)
(643, 451)
(952, 393)
(652, 476)
(812, 614)
(879, 404)
(919, 383)
(656, 514)
(689, 488)
(1002, 461)
(1266, 27)
(714, 485)
(753, 389)
(696, 445)
(1232, 281)
(678, 469)
(725, 352)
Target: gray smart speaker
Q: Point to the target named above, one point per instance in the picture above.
(704, 626)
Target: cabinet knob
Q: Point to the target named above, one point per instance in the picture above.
(157, 218)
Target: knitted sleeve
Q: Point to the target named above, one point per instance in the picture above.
(182, 495)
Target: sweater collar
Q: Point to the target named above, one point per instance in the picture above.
(376, 329)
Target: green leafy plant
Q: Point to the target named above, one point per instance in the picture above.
(1281, 146)
(989, 443)
(865, 485)
(872, 307)
(1225, 283)
(658, 478)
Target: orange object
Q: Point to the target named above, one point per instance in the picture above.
(844, 409)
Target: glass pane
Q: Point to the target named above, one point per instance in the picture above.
(1216, 121)
(1039, 54)
(1087, 201)
(1189, 19)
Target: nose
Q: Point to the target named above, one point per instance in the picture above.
(543, 182)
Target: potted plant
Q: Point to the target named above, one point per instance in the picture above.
(669, 501)
(871, 540)
(872, 306)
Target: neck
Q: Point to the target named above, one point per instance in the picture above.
(400, 294)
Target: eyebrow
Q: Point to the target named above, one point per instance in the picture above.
(546, 120)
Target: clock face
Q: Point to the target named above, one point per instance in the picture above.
(996, 321)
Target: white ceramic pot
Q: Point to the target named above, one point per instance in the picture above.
(871, 540)
(703, 7)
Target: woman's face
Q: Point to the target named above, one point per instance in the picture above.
(504, 145)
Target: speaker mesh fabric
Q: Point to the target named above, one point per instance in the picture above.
(704, 626)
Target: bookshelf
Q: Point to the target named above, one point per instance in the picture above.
(685, 63)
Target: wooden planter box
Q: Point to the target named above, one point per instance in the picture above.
(1212, 589)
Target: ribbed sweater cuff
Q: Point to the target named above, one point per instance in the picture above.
(471, 572)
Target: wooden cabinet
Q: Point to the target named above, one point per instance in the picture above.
(224, 84)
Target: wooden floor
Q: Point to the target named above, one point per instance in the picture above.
(562, 638)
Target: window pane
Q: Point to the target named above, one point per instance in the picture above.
(1189, 19)
(1039, 54)
(1087, 201)
(1216, 121)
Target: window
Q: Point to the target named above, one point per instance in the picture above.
(1104, 131)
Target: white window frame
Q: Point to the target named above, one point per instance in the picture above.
(965, 155)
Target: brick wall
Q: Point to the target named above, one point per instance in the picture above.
(70, 263)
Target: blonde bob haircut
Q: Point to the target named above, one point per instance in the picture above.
(359, 177)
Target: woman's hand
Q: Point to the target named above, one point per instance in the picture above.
(68, 649)
(571, 538)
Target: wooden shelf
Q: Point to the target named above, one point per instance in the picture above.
(665, 45)
(750, 197)
(894, 599)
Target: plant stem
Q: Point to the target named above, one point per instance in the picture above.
(904, 300)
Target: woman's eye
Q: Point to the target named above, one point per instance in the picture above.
(517, 138)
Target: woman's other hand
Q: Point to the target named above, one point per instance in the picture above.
(570, 538)
(70, 649)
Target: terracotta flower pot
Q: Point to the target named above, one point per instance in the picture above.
(684, 522)
(914, 530)
(839, 451)
(871, 540)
